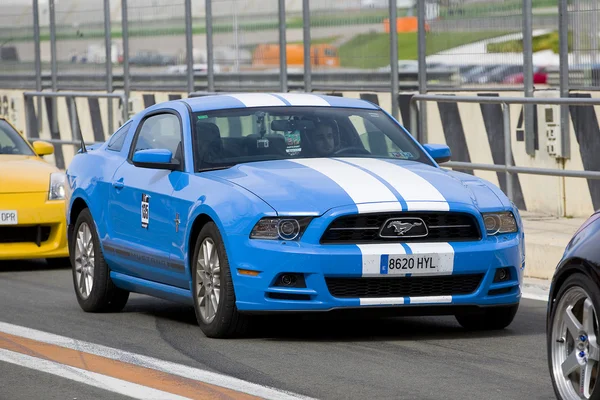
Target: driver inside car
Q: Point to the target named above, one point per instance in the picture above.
(323, 139)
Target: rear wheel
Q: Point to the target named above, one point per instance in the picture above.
(214, 295)
(489, 319)
(94, 289)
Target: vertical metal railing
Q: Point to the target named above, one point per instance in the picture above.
(108, 49)
(528, 75)
(306, 44)
(38, 59)
(210, 71)
(189, 46)
(125, 36)
(282, 48)
(394, 58)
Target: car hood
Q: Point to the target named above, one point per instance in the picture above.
(314, 186)
(24, 174)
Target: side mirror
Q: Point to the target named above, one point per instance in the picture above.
(155, 158)
(42, 148)
(439, 152)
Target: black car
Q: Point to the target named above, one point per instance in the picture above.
(572, 316)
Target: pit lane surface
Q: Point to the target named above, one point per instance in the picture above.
(402, 358)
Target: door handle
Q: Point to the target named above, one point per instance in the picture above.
(118, 184)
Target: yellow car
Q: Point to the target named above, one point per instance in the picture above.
(32, 200)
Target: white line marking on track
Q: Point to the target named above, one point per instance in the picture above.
(153, 363)
(89, 378)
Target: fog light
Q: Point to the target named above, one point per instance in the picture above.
(290, 280)
(502, 275)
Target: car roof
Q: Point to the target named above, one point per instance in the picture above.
(247, 100)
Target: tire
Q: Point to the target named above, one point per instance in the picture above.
(576, 292)
(227, 321)
(104, 296)
(62, 262)
(495, 318)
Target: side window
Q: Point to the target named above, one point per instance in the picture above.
(161, 131)
(118, 138)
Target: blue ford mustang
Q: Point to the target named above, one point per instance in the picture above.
(249, 203)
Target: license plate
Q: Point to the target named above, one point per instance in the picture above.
(416, 264)
(8, 217)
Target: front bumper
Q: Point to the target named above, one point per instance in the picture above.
(40, 231)
(321, 265)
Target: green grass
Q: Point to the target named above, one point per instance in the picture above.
(160, 28)
(549, 41)
(484, 9)
(372, 50)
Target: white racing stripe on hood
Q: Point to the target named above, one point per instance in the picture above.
(302, 99)
(360, 186)
(412, 187)
(257, 99)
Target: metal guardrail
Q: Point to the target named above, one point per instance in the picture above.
(232, 81)
(77, 136)
(504, 102)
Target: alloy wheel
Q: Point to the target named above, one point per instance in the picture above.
(574, 346)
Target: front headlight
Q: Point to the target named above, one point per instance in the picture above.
(496, 223)
(57, 186)
(280, 228)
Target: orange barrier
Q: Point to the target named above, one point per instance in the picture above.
(404, 24)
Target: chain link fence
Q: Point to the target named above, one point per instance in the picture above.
(237, 45)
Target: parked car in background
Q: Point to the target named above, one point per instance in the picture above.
(540, 76)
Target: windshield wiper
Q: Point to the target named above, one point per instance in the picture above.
(214, 168)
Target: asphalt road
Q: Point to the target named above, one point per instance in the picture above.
(403, 358)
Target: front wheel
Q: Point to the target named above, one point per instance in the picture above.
(214, 295)
(573, 350)
(94, 288)
(490, 319)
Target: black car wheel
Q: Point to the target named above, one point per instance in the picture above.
(95, 291)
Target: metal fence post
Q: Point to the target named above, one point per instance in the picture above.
(422, 50)
(528, 76)
(109, 77)
(38, 64)
(394, 57)
(507, 149)
(282, 48)
(125, 29)
(413, 119)
(210, 72)
(189, 46)
(563, 30)
(54, 65)
(306, 44)
(74, 130)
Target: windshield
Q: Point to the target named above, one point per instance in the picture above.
(11, 142)
(227, 137)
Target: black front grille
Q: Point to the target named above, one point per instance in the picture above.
(24, 234)
(402, 286)
(365, 228)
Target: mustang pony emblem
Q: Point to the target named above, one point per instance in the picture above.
(401, 228)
